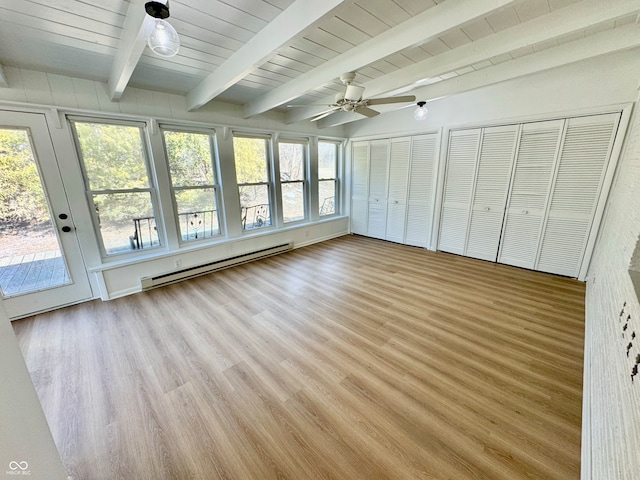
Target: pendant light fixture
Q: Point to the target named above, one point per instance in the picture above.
(421, 112)
(163, 39)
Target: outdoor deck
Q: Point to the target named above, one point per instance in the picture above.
(36, 271)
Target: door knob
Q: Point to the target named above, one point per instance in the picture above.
(66, 229)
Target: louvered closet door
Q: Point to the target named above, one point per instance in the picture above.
(583, 161)
(397, 195)
(529, 193)
(493, 175)
(359, 188)
(378, 183)
(461, 166)
(419, 202)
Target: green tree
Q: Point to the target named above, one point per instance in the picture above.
(251, 167)
(113, 159)
(190, 162)
(251, 159)
(21, 197)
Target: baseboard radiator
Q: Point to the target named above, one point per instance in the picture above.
(179, 275)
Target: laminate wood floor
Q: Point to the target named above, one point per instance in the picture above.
(350, 359)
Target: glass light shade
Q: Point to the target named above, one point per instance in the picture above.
(163, 39)
(421, 112)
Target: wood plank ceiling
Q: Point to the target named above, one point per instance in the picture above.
(265, 54)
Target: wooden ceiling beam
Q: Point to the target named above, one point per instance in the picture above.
(133, 39)
(603, 43)
(420, 29)
(286, 27)
(573, 18)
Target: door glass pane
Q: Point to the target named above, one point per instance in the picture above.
(31, 257)
(197, 214)
(126, 221)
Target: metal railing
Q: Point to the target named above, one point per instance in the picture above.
(201, 224)
(145, 233)
(193, 225)
(255, 216)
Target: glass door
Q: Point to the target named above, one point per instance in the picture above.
(41, 265)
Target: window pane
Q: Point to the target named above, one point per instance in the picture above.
(291, 161)
(254, 201)
(197, 213)
(251, 159)
(126, 221)
(327, 160)
(292, 201)
(327, 195)
(189, 157)
(113, 156)
(30, 256)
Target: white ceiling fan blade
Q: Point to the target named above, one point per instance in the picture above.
(326, 113)
(366, 111)
(384, 100)
(353, 93)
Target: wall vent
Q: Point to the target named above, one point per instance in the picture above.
(179, 275)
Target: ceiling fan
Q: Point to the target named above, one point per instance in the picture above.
(352, 100)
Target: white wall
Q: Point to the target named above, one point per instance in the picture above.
(612, 415)
(40, 92)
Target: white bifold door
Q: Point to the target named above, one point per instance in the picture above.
(527, 194)
(392, 188)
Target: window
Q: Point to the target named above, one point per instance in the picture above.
(292, 180)
(254, 185)
(193, 182)
(327, 177)
(115, 167)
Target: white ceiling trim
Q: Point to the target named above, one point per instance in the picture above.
(604, 43)
(291, 23)
(570, 19)
(133, 39)
(426, 26)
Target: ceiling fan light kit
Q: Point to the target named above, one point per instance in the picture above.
(421, 112)
(163, 39)
(352, 100)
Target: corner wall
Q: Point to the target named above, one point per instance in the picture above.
(611, 418)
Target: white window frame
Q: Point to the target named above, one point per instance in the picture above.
(335, 179)
(216, 186)
(151, 189)
(269, 183)
(305, 179)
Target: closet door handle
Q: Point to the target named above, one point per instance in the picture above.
(525, 212)
(487, 209)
